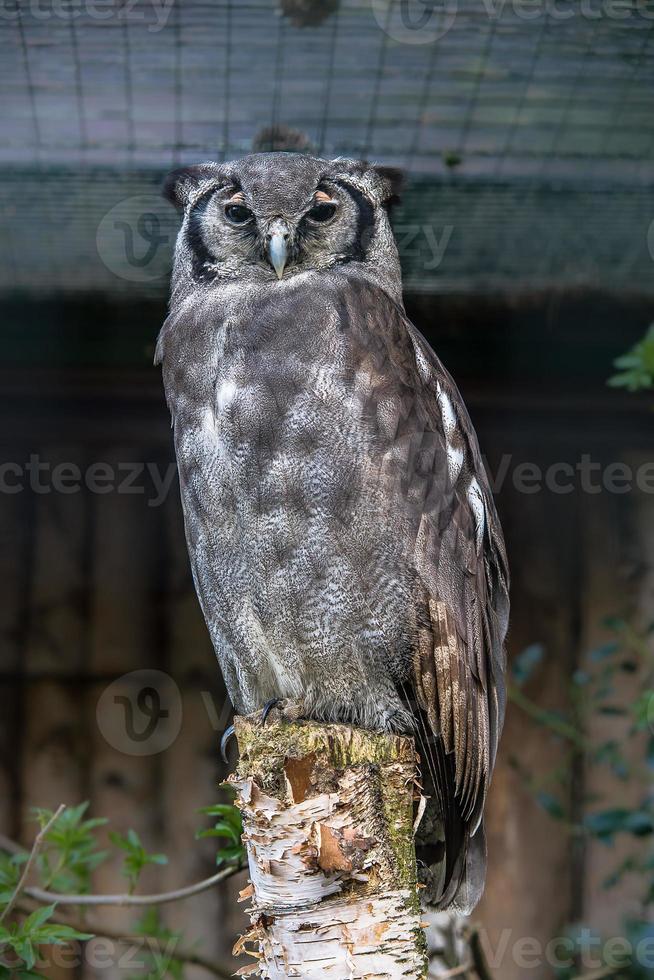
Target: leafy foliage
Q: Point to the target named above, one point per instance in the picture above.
(25, 938)
(10, 870)
(636, 366)
(229, 827)
(71, 853)
(136, 857)
(594, 692)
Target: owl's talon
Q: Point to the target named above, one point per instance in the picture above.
(227, 734)
(267, 708)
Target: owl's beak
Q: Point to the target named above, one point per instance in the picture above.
(278, 247)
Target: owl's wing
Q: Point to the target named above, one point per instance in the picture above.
(460, 557)
(460, 662)
(461, 593)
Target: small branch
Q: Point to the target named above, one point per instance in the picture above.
(41, 895)
(183, 955)
(48, 897)
(36, 847)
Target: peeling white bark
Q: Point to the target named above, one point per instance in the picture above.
(327, 815)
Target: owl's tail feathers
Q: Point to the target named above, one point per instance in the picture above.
(451, 852)
(459, 892)
(473, 873)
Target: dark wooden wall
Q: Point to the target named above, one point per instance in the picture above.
(95, 586)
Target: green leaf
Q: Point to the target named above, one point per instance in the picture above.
(553, 806)
(25, 949)
(59, 934)
(229, 828)
(229, 854)
(640, 823)
(136, 857)
(37, 918)
(119, 840)
(604, 824)
(230, 813)
(222, 830)
(636, 365)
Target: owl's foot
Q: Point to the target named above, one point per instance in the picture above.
(267, 708)
(282, 709)
(224, 742)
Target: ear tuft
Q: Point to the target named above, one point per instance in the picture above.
(179, 185)
(280, 138)
(386, 181)
(392, 183)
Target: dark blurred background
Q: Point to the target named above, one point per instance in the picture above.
(526, 233)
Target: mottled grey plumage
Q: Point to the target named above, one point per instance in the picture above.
(343, 539)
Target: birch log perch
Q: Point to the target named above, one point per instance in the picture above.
(328, 826)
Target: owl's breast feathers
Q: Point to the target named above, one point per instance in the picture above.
(319, 398)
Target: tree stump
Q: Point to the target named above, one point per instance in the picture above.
(328, 826)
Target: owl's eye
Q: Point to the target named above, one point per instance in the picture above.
(238, 214)
(322, 212)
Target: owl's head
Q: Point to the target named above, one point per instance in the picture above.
(270, 216)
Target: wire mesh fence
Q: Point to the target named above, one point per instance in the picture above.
(494, 86)
(550, 100)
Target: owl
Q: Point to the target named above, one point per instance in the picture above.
(343, 539)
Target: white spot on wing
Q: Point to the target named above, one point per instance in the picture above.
(455, 454)
(447, 412)
(423, 365)
(454, 462)
(476, 501)
(225, 395)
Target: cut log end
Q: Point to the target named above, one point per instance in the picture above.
(328, 816)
